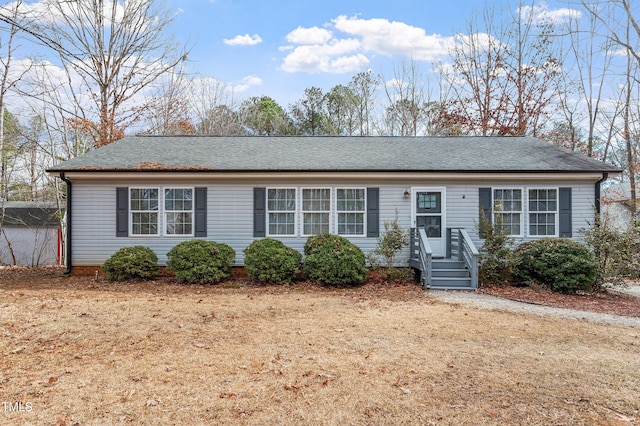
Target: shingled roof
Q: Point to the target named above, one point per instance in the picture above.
(321, 153)
(29, 214)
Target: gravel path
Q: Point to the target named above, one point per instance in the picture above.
(632, 289)
(486, 301)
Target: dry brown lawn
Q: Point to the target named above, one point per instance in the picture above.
(76, 351)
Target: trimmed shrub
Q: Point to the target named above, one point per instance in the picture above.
(334, 260)
(128, 263)
(559, 264)
(270, 261)
(321, 241)
(200, 261)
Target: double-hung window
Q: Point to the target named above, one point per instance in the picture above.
(529, 211)
(144, 206)
(178, 211)
(543, 212)
(316, 210)
(156, 210)
(507, 209)
(281, 208)
(304, 211)
(350, 207)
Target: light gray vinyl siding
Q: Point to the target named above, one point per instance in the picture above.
(230, 213)
(31, 246)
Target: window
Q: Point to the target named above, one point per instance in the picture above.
(178, 211)
(543, 211)
(144, 211)
(316, 208)
(281, 207)
(507, 210)
(350, 206)
(146, 207)
(310, 211)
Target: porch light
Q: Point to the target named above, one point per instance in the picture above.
(406, 193)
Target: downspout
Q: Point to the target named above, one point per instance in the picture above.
(68, 246)
(605, 175)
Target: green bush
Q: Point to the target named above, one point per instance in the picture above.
(136, 262)
(559, 264)
(321, 241)
(334, 260)
(390, 243)
(200, 261)
(268, 260)
(496, 256)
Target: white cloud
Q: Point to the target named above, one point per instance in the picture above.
(477, 41)
(337, 56)
(313, 35)
(345, 64)
(394, 38)
(247, 83)
(252, 80)
(346, 46)
(55, 11)
(244, 40)
(393, 83)
(542, 13)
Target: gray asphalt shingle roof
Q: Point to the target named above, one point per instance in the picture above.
(306, 153)
(29, 214)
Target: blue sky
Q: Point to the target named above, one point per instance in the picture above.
(280, 47)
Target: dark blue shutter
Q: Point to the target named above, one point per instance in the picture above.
(564, 203)
(484, 195)
(373, 212)
(200, 212)
(259, 212)
(122, 212)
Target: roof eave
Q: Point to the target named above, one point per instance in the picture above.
(203, 170)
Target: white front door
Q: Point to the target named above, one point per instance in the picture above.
(428, 207)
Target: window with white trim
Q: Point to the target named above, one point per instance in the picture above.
(507, 209)
(281, 211)
(350, 206)
(144, 205)
(340, 211)
(148, 205)
(316, 210)
(543, 212)
(178, 211)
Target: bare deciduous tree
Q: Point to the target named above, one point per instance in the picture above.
(406, 114)
(623, 29)
(166, 110)
(503, 72)
(363, 86)
(213, 107)
(341, 113)
(117, 47)
(8, 82)
(309, 113)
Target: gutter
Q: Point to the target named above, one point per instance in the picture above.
(605, 176)
(68, 259)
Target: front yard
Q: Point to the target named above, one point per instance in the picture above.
(78, 351)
